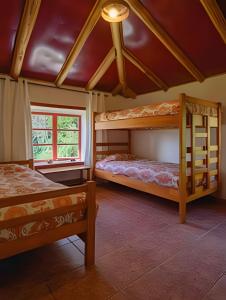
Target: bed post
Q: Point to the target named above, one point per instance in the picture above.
(93, 146)
(129, 141)
(182, 158)
(219, 147)
(91, 218)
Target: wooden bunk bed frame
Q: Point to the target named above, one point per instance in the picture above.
(200, 168)
(84, 228)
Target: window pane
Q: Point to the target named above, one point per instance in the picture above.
(41, 137)
(41, 121)
(68, 151)
(43, 152)
(67, 137)
(67, 122)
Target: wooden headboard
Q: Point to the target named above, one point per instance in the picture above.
(29, 163)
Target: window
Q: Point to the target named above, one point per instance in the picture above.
(56, 136)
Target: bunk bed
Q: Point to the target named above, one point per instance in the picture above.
(35, 211)
(199, 124)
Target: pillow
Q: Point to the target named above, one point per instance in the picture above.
(120, 157)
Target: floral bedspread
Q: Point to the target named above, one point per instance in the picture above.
(160, 109)
(164, 174)
(18, 180)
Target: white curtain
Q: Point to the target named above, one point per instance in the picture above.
(96, 103)
(15, 121)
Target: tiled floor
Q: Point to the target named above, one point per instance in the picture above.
(141, 253)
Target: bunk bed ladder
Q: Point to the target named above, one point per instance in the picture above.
(201, 156)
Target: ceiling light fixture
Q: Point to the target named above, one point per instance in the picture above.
(115, 10)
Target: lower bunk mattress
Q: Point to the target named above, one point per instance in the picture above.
(163, 174)
(18, 180)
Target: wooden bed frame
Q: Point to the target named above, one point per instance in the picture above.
(200, 168)
(85, 228)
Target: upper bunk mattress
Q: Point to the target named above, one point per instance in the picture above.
(159, 109)
(163, 174)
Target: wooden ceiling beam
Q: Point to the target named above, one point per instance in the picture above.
(145, 16)
(79, 43)
(116, 32)
(137, 63)
(117, 37)
(117, 90)
(26, 27)
(101, 69)
(215, 14)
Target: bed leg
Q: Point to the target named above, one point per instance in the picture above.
(91, 218)
(182, 210)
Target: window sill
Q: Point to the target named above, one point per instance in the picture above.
(55, 164)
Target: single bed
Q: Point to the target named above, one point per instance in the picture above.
(35, 211)
(198, 172)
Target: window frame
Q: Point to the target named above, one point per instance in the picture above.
(55, 130)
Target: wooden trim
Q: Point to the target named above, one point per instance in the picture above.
(153, 77)
(106, 63)
(26, 27)
(216, 15)
(79, 43)
(129, 141)
(139, 9)
(58, 106)
(168, 121)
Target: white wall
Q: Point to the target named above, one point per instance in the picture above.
(163, 144)
(52, 95)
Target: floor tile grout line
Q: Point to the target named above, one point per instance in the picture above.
(215, 282)
(211, 229)
(155, 268)
(168, 259)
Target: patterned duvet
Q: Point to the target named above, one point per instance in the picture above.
(160, 109)
(18, 180)
(164, 174)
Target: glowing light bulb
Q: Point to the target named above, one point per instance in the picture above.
(113, 12)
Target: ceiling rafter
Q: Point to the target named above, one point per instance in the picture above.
(117, 37)
(106, 63)
(117, 90)
(79, 43)
(164, 37)
(215, 14)
(27, 24)
(136, 62)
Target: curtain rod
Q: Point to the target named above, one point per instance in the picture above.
(52, 85)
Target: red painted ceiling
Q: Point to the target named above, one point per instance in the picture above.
(59, 23)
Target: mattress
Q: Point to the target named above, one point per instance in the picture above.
(18, 180)
(159, 109)
(163, 174)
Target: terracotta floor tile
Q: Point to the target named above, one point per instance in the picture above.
(218, 292)
(92, 285)
(26, 292)
(188, 275)
(142, 252)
